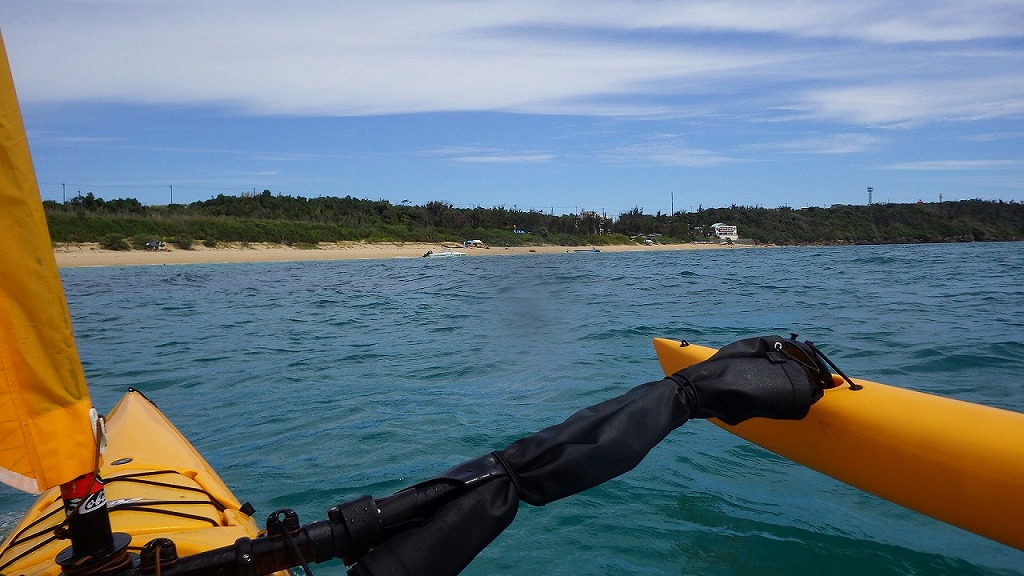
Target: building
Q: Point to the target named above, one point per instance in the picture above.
(724, 231)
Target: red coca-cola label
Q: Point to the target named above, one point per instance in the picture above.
(87, 487)
(82, 486)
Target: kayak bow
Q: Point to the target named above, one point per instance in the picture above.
(157, 485)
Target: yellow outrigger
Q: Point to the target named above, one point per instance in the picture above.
(955, 461)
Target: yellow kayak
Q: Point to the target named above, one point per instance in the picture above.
(955, 461)
(157, 486)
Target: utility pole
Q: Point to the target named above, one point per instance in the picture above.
(673, 213)
(172, 194)
(64, 193)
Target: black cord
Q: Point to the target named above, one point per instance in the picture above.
(296, 553)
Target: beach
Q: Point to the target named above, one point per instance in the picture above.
(75, 255)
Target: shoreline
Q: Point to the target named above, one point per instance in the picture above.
(79, 255)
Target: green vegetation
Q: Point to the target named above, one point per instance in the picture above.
(184, 241)
(305, 222)
(114, 242)
(964, 221)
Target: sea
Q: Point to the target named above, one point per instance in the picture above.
(310, 384)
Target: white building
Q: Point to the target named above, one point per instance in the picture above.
(725, 232)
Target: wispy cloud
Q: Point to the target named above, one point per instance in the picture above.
(955, 165)
(634, 57)
(916, 102)
(474, 155)
(85, 140)
(996, 136)
(666, 150)
(504, 158)
(257, 173)
(847, 143)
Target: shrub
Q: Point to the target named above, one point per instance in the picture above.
(139, 241)
(210, 242)
(184, 241)
(114, 241)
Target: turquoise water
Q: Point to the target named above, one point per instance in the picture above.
(309, 384)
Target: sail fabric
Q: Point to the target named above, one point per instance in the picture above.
(46, 436)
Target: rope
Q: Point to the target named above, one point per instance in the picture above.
(157, 553)
(136, 478)
(20, 536)
(26, 552)
(296, 553)
(87, 566)
(140, 507)
(99, 440)
(853, 385)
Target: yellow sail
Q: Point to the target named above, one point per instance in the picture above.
(45, 432)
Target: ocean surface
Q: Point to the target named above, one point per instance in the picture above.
(310, 384)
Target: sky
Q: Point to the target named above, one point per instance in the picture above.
(603, 105)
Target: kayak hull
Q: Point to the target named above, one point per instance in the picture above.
(955, 461)
(157, 486)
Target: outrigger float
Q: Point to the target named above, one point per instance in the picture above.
(955, 461)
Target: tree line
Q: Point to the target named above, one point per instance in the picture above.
(267, 217)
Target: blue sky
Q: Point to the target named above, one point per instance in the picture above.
(553, 106)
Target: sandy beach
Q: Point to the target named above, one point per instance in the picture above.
(90, 254)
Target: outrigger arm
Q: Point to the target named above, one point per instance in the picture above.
(437, 527)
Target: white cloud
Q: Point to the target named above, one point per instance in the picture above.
(475, 155)
(599, 57)
(667, 150)
(996, 136)
(504, 158)
(846, 143)
(915, 101)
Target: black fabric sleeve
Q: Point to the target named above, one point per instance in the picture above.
(595, 444)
